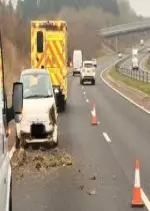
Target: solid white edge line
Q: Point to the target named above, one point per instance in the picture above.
(122, 95)
(106, 137)
(145, 200)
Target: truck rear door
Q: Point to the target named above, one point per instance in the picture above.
(54, 45)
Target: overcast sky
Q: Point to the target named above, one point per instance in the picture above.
(140, 6)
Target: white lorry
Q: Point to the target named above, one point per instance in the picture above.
(87, 72)
(141, 42)
(134, 52)
(38, 118)
(135, 63)
(77, 61)
(119, 55)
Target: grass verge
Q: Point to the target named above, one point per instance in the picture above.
(139, 85)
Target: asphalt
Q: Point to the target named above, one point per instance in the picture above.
(71, 188)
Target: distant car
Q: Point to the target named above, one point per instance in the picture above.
(148, 49)
(94, 62)
(120, 55)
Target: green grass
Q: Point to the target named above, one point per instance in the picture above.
(139, 85)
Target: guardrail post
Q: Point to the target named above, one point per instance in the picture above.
(116, 44)
(143, 75)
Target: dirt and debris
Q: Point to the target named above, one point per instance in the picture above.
(91, 192)
(81, 187)
(93, 177)
(38, 162)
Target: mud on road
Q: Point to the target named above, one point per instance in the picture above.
(37, 163)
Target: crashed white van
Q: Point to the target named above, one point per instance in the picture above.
(37, 122)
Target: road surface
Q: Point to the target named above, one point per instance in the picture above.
(107, 150)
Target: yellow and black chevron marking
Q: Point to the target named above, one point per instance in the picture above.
(54, 55)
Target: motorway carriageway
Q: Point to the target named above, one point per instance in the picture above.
(108, 150)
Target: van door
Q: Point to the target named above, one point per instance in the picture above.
(5, 169)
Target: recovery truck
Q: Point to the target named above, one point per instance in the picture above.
(49, 51)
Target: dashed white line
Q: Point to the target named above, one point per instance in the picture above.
(106, 137)
(87, 100)
(84, 93)
(82, 87)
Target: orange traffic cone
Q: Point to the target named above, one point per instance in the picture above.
(137, 200)
(93, 112)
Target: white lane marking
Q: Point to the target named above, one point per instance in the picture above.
(106, 137)
(122, 95)
(11, 152)
(84, 93)
(145, 200)
(87, 100)
(82, 87)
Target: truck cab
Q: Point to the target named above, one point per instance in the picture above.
(38, 119)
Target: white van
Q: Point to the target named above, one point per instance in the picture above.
(77, 61)
(38, 120)
(87, 72)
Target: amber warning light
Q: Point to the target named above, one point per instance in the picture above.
(50, 25)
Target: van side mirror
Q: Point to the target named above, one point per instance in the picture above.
(17, 100)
